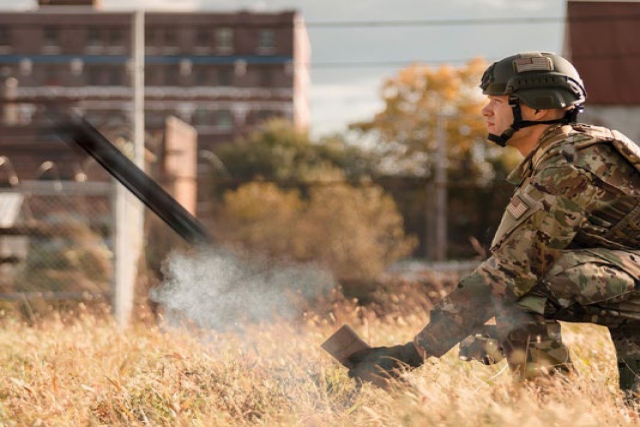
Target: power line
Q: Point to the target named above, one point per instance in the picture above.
(381, 64)
(474, 21)
(439, 22)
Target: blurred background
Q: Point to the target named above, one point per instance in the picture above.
(346, 134)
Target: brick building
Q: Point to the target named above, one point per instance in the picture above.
(221, 72)
(601, 39)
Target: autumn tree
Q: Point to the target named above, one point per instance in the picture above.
(355, 232)
(414, 102)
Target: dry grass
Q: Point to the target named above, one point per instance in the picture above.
(81, 370)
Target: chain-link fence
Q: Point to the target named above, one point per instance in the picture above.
(56, 240)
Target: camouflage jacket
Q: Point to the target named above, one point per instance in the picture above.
(578, 189)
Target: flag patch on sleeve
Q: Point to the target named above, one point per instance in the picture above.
(517, 207)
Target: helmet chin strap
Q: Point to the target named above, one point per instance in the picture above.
(570, 116)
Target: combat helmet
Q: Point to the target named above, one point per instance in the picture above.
(540, 80)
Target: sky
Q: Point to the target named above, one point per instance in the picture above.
(350, 62)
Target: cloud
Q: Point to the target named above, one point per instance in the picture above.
(335, 105)
(508, 5)
(17, 4)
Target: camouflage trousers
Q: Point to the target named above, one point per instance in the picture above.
(582, 286)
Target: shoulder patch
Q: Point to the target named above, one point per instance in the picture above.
(517, 207)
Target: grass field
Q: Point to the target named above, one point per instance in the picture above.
(79, 369)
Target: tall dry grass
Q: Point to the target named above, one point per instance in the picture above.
(78, 369)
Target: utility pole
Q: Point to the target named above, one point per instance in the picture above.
(437, 194)
(441, 191)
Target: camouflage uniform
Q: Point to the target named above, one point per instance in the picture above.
(568, 248)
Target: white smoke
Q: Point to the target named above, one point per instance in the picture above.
(216, 290)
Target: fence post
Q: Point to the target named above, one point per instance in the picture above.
(128, 210)
(123, 271)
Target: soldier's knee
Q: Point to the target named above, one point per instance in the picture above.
(536, 349)
(482, 346)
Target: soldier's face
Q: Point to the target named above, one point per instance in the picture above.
(498, 114)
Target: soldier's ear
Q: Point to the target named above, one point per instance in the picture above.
(539, 115)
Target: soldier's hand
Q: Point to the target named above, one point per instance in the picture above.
(380, 364)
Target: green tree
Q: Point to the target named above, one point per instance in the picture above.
(277, 152)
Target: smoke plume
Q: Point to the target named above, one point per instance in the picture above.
(217, 290)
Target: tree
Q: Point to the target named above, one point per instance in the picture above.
(296, 199)
(414, 101)
(355, 232)
(277, 152)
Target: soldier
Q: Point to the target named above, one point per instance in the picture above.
(568, 245)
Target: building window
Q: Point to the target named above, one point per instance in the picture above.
(76, 65)
(202, 76)
(151, 36)
(203, 38)
(26, 66)
(115, 76)
(94, 38)
(170, 38)
(155, 75)
(266, 41)
(224, 76)
(201, 117)
(5, 40)
(5, 37)
(224, 119)
(185, 66)
(224, 40)
(240, 67)
(94, 75)
(266, 77)
(116, 37)
(6, 71)
(25, 113)
(50, 37)
(52, 76)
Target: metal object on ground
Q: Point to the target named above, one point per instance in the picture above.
(344, 343)
(84, 135)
